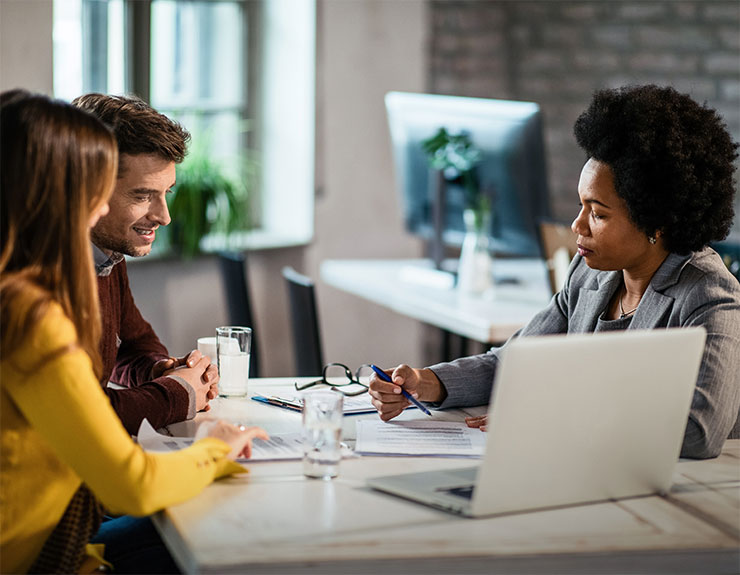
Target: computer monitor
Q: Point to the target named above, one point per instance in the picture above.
(511, 170)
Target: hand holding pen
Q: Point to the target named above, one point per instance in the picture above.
(387, 399)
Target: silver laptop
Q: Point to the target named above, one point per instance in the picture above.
(573, 419)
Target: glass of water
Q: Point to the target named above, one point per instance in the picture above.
(232, 348)
(322, 433)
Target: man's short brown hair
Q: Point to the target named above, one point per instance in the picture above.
(139, 128)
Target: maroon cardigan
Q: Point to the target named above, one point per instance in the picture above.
(129, 348)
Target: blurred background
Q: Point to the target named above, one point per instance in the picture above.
(285, 98)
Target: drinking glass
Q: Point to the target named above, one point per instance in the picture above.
(322, 433)
(233, 349)
(207, 346)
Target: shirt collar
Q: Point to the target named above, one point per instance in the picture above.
(103, 263)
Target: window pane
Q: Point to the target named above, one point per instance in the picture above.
(197, 55)
(216, 134)
(67, 49)
(197, 73)
(88, 47)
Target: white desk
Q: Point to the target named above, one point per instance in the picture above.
(273, 520)
(486, 319)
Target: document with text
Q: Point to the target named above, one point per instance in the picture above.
(279, 447)
(419, 437)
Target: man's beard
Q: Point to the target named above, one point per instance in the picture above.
(122, 246)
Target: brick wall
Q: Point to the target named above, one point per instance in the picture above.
(557, 53)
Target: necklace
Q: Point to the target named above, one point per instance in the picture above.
(623, 314)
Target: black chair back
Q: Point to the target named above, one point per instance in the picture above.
(238, 302)
(305, 323)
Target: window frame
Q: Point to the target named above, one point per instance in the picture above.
(279, 100)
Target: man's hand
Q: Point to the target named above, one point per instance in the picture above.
(209, 377)
(160, 368)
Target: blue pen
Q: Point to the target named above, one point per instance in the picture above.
(384, 376)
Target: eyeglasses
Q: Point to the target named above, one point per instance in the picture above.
(340, 378)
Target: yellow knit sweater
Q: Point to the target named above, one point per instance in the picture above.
(58, 430)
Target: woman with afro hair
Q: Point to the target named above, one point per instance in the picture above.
(656, 189)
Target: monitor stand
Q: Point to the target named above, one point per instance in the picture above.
(438, 189)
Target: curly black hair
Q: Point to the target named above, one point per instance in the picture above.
(672, 160)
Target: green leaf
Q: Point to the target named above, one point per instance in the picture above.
(206, 199)
(457, 157)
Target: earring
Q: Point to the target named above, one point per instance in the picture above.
(652, 239)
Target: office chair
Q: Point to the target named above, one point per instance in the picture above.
(305, 323)
(558, 245)
(729, 251)
(236, 286)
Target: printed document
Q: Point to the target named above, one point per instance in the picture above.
(419, 437)
(279, 447)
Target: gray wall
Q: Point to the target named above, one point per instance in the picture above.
(558, 53)
(25, 45)
(366, 48)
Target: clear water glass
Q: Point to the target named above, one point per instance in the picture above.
(322, 433)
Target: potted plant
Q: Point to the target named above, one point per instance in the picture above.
(206, 201)
(454, 157)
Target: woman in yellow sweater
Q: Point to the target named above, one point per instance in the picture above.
(63, 451)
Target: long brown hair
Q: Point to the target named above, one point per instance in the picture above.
(58, 165)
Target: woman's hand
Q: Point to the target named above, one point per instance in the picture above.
(422, 384)
(238, 437)
(480, 421)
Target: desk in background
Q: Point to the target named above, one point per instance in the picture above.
(273, 520)
(521, 291)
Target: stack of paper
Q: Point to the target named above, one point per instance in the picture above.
(419, 437)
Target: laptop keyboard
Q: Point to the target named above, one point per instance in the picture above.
(466, 491)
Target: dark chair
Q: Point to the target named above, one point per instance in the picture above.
(236, 286)
(305, 323)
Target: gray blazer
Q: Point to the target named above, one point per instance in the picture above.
(691, 290)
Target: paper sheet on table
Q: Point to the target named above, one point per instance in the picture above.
(279, 447)
(419, 437)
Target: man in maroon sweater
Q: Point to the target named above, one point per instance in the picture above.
(156, 386)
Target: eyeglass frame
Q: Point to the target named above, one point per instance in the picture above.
(347, 372)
